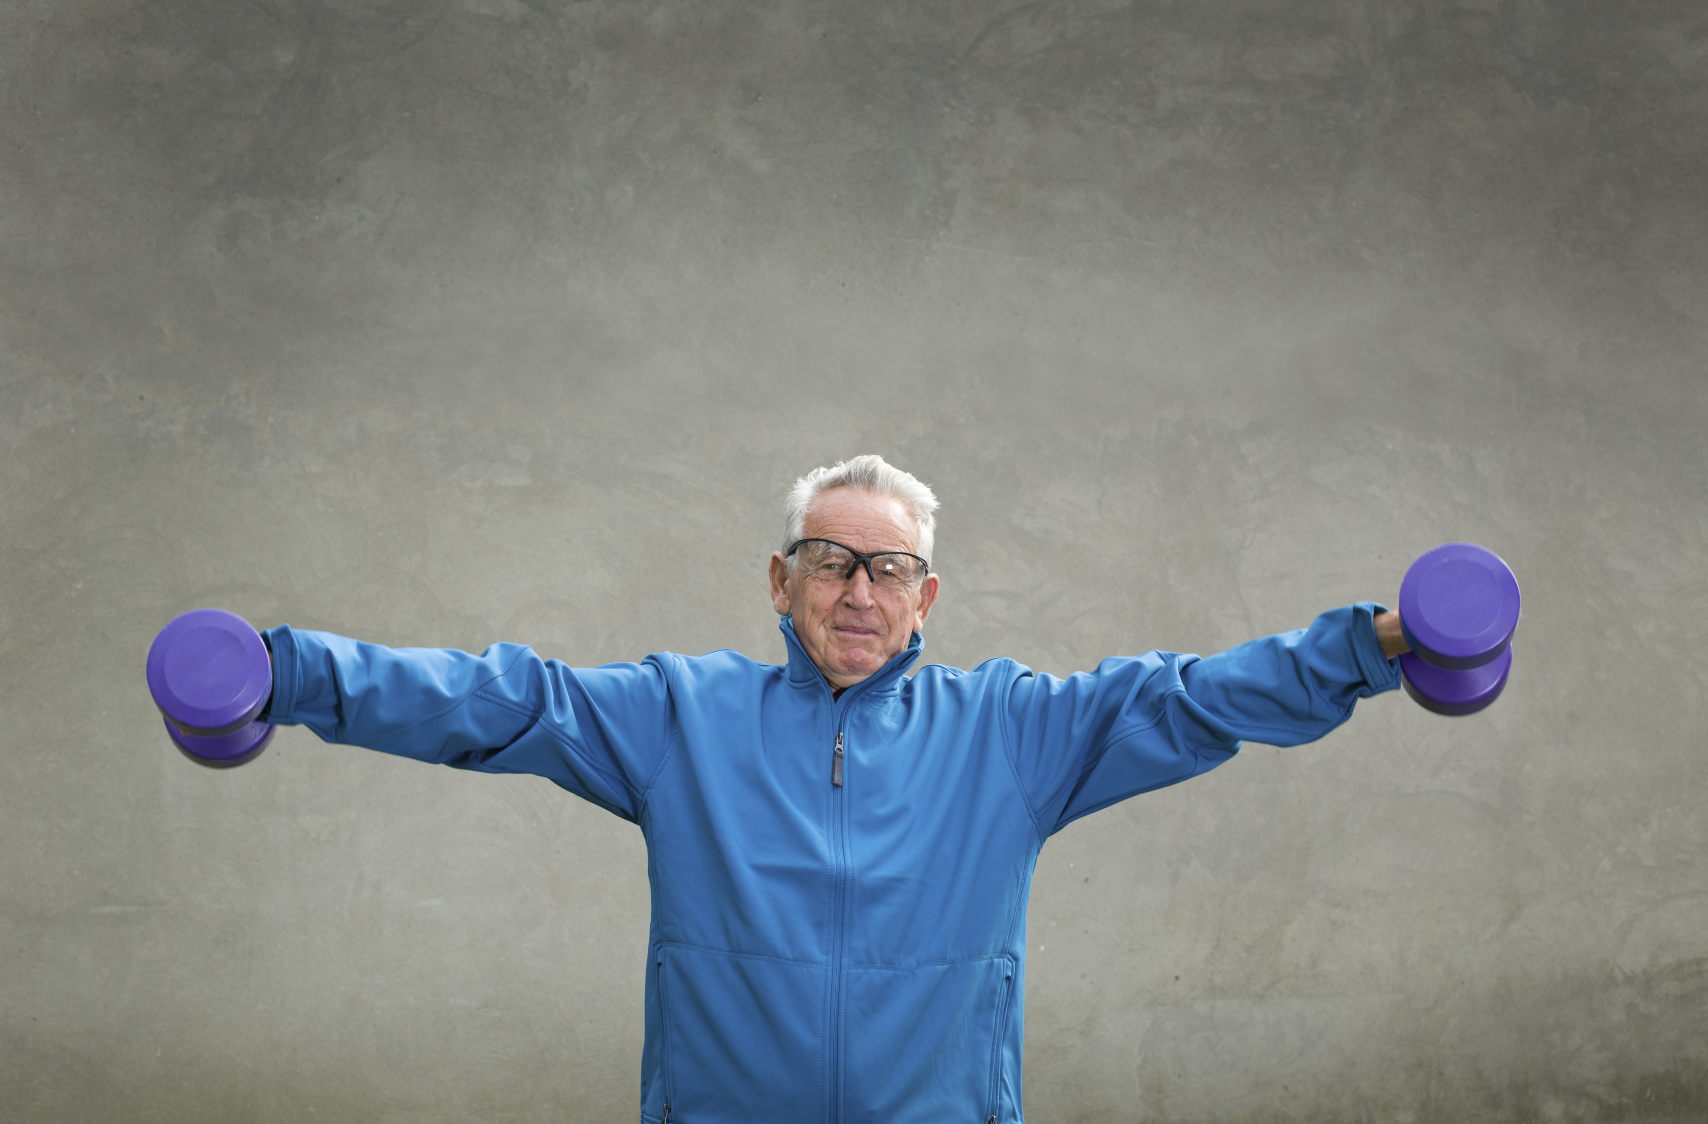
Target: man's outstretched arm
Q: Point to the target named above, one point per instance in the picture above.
(1144, 722)
(598, 732)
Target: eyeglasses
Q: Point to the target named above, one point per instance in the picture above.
(826, 561)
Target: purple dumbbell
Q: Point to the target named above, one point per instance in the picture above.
(210, 675)
(1459, 607)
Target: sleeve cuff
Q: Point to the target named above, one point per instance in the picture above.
(1380, 672)
(281, 707)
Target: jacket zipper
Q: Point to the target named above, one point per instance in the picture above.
(839, 859)
(844, 876)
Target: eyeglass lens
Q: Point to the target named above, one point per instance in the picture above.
(826, 561)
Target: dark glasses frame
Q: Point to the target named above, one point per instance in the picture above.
(861, 558)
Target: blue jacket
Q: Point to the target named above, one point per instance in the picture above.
(839, 885)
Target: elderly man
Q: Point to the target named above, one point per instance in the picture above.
(840, 855)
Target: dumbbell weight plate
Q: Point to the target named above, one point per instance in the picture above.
(226, 751)
(1459, 606)
(210, 675)
(1454, 692)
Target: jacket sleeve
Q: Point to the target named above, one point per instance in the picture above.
(1144, 722)
(598, 732)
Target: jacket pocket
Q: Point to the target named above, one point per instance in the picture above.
(741, 1038)
(924, 1045)
(1005, 996)
(664, 1038)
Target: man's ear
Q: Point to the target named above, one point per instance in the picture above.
(780, 584)
(927, 596)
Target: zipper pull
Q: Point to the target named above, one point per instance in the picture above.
(836, 762)
(666, 1119)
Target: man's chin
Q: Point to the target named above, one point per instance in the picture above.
(858, 661)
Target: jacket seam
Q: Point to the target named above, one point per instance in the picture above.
(1305, 732)
(1010, 753)
(934, 963)
(670, 743)
(1149, 724)
(553, 733)
(463, 700)
(1163, 710)
(741, 955)
(644, 796)
(1343, 712)
(1017, 906)
(1186, 739)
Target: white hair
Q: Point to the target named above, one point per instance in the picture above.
(869, 473)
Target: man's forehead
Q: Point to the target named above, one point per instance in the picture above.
(863, 520)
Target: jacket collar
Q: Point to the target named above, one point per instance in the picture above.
(803, 672)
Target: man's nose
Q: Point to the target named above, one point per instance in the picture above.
(859, 592)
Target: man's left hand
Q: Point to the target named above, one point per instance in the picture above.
(1389, 633)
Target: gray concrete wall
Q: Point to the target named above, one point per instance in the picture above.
(449, 322)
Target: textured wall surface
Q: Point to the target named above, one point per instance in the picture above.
(442, 323)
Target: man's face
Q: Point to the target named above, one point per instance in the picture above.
(851, 628)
